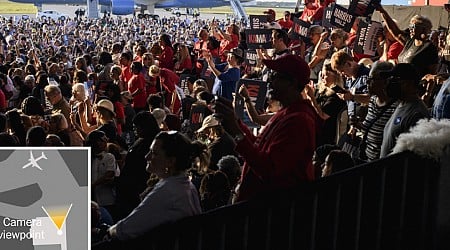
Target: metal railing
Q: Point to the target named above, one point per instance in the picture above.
(387, 204)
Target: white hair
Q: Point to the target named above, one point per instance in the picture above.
(429, 138)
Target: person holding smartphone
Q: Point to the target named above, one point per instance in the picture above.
(327, 103)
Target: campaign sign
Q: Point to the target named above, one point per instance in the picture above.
(327, 13)
(341, 18)
(362, 7)
(257, 90)
(251, 58)
(366, 37)
(257, 21)
(301, 27)
(259, 38)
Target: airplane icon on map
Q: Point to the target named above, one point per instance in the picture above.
(33, 161)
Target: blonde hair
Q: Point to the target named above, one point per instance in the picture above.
(154, 70)
(79, 88)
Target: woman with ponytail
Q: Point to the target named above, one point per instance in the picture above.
(418, 49)
(174, 196)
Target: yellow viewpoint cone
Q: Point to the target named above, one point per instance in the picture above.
(58, 215)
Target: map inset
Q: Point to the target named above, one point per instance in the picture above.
(44, 198)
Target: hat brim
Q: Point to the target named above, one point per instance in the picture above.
(114, 113)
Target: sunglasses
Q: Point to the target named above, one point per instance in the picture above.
(415, 25)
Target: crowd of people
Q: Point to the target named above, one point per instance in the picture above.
(156, 102)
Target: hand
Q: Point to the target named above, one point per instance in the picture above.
(324, 35)
(225, 110)
(347, 96)
(309, 90)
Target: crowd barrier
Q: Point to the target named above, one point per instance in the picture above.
(391, 203)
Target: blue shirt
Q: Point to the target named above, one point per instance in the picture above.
(358, 85)
(441, 105)
(225, 83)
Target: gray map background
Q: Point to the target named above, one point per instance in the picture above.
(63, 181)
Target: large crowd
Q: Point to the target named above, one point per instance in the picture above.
(156, 100)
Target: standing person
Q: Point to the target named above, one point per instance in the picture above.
(102, 172)
(418, 49)
(167, 82)
(286, 23)
(403, 85)
(125, 63)
(167, 55)
(281, 156)
(228, 39)
(227, 74)
(173, 197)
(356, 92)
(133, 176)
(271, 20)
(381, 107)
(58, 102)
(327, 103)
(136, 86)
(127, 131)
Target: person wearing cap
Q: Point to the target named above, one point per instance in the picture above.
(286, 23)
(381, 108)
(219, 142)
(227, 74)
(403, 84)
(281, 155)
(271, 21)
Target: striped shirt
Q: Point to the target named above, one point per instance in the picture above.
(375, 133)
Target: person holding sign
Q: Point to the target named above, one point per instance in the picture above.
(418, 49)
(281, 155)
(317, 51)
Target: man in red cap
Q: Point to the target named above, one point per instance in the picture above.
(271, 21)
(281, 156)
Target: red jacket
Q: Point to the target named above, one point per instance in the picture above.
(281, 156)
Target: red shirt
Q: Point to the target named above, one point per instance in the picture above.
(168, 80)
(166, 58)
(281, 156)
(138, 82)
(226, 45)
(394, 51)
(285, 24)
(120, 113)
(126, 74)
(185, 64)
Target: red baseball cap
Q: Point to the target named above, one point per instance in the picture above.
(270, 12)
(291, 65)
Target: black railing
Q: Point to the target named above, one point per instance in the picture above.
(387, 204)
